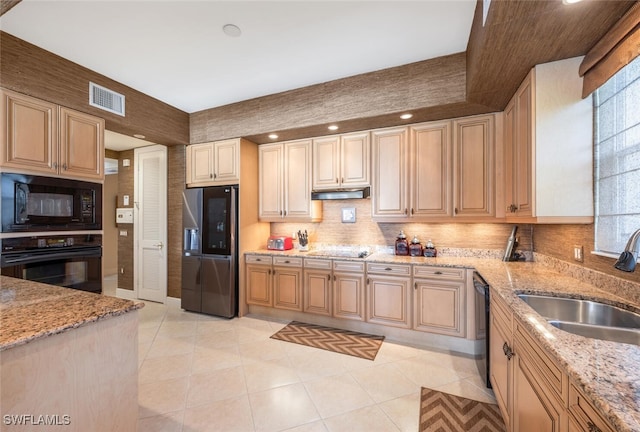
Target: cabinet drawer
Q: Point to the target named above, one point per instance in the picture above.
(584, 414)
(317, 263)
(257, 259)
(525, 345)
(348, 266)
(433, 272)
(389, 269)
(287, 261)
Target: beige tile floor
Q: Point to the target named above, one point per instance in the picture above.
(200, 373)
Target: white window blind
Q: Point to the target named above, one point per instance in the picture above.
(617, 159)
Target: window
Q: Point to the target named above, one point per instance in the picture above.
(617, 159)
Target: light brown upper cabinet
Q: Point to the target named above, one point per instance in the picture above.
(213, 163)
(285, 183)
(548, 147)
(341, 161)
(473, 165)
(436, 172)
(43, 138)
(390, 199)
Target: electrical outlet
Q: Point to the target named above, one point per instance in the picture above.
(578, 253)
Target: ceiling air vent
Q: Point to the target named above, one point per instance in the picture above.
(106, 99)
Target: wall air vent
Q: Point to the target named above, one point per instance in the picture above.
(106, 99)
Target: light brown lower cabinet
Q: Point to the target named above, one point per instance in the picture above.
(388, 289)
(348, 290)
(439, 297)
(258, 280)
(317, 286)
(532, 390)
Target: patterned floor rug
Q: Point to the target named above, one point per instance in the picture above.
(442, 412)
(341, 341)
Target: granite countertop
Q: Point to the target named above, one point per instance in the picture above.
(31, 310)
(606, 372)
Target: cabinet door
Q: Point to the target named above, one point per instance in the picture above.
(317, 292)
(259, 285)
(81, 145)
(533, 410)
(348, 296)
(431, 170)
(509, 137)
(523, 146)
(326, 163)
(390, 174)
(226, 161)
(439, 307)
(270, 200)
(297, 179)
(473, 167)
(388, 301)
(501, 365)
(200, 163)
(355, 160)
(30, 140)
(287, 288)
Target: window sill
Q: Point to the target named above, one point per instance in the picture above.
(606, 254)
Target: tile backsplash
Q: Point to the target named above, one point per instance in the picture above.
(367, 232)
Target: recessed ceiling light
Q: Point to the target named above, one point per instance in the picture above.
(406, 116)
(139, 136)
(568, 2)
(273, 136)
(333, 127)
(231, 30)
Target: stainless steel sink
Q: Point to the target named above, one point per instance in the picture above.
(587, 318)
(614, 334)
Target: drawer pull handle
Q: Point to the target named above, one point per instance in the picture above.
(388, 269)
(592, 427)
(328, 277)
(258, 259)
(287, 261)
(438, 273)
(507, 351)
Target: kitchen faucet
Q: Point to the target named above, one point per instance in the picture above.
(627, 260)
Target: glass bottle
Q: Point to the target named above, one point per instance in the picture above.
(415, 248)
(402, 246)
(430, 249)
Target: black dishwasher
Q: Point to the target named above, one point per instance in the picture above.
(482, 299)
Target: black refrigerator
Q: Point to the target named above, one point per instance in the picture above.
(209, 252)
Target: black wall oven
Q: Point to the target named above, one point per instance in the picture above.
(36, 204)
(72, 261)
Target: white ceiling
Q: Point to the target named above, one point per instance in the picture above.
(176, 51)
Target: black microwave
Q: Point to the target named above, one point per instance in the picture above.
(36, 203)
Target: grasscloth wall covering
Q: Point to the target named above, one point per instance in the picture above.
(125, 243)
(558, 241)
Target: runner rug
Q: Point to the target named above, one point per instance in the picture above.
(331, 339)
(442, 412)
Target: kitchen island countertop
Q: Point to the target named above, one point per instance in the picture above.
(607, 372)
(31, 310)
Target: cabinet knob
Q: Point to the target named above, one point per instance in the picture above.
(64, 167)
(406, 211)
(455, 210)
(438, 272)
(55, 165)
(342, 180)
(415, 285)
(507, 351)
(280, 212)
(285, 212)
(210, 175)
(412, 210)
(215, 175)
(329, 277)
(337, 180)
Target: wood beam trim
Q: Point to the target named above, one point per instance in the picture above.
(615, 50)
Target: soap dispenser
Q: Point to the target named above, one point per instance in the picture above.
(402, 246)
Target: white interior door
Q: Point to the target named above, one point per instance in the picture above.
(150, 189)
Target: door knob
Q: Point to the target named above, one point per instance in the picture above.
(159, 245)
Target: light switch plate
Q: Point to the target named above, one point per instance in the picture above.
(349, 215)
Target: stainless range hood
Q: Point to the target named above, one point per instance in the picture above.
(340, 194)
